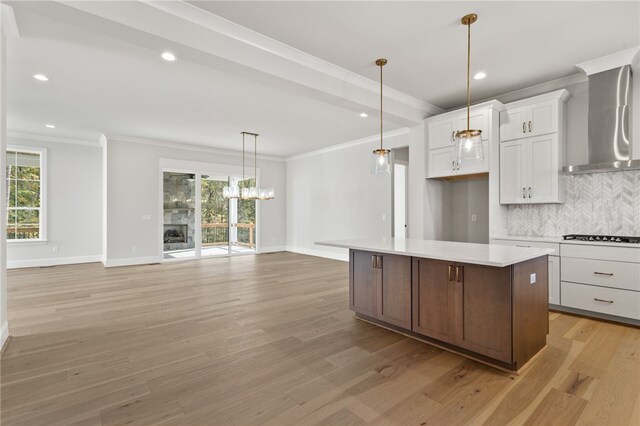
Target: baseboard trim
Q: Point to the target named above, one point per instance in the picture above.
(4, 336)
(272, 249)
(344, 257)
(131, 261)
(35, 263)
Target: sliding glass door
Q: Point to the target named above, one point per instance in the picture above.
(226, 226)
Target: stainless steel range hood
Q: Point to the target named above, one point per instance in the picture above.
(609, 138)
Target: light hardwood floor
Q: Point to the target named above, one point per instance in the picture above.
(269, 340)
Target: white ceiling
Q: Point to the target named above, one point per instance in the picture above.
(100, 84)
(518, 43)
(108, 78)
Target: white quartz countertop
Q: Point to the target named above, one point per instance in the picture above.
(480, 254)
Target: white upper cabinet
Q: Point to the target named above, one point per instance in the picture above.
(441, 131)
(532, 150)
(536, 116)
(530, 171)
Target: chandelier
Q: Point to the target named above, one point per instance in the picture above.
(242, 191)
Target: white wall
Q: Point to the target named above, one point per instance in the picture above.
(332, 195)
(73, 206)
(133, 190)
(4, 324)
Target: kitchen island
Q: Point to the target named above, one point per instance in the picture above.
(486, 302)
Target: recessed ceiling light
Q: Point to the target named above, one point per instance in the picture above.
(168, 56)
(49, 126)
(41, 77)
(480, 75)
(364, 115)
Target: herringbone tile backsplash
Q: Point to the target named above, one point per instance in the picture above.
(599, 203)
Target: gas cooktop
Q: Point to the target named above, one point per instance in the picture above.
(602, 238)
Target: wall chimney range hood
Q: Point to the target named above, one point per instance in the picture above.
(609, 126)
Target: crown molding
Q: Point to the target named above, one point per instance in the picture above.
(349, 144)
(48, 138)
(186, 146)
(605, 63)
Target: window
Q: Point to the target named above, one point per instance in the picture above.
(25, 194)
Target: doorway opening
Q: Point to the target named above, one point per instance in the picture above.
(400, 179)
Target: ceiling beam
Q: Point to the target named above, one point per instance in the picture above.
(215, 41)
(8, 21)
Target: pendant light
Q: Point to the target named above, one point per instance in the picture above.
(468, 142)
(380, 160)
(249, 192)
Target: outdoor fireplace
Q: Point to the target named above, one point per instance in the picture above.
(175, 233)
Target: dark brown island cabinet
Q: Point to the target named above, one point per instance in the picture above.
(495, 315)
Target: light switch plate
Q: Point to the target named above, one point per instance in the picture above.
(532, 278)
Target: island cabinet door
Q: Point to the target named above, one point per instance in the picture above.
(394, 296)
(364, 279)
(434, 299)
(483, 296)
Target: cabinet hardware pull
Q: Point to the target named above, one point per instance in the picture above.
(529, 192)
(529, 126)
(457, 273)
(602, 300)
(524, 127)
(523, 246)
(449, 274)
(373, 261)
(608, 274)
(524, 192)
(379, 262)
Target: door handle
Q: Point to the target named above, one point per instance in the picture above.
(529, 126)
(529, 192)
(607, 274)
(524, 192)
(523, 246)
(602, 300)
(453, 136)
(524, 127)
(453, 165)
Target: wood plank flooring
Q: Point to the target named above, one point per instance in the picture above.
(269, 340)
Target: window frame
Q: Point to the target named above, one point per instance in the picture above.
(42, 152)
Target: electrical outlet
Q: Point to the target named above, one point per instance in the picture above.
(384, 216)
(474, 218)
(54, 249)
(532, 278)
(134, 248)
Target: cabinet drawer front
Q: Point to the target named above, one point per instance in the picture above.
(535, 244)
(622, 275)
(598, 252)
(623, 303)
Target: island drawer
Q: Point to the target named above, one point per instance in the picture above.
(623, 303)
(535, 244)
(623, 275)
(616, 254)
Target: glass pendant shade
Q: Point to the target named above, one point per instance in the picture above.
(231, 192)
(380, 161)
(469, 146)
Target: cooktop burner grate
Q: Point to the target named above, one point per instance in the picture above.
(602, 238)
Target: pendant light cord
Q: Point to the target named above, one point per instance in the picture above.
(255, 161)
(468, 74)
(240, 186)
(381, 65)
